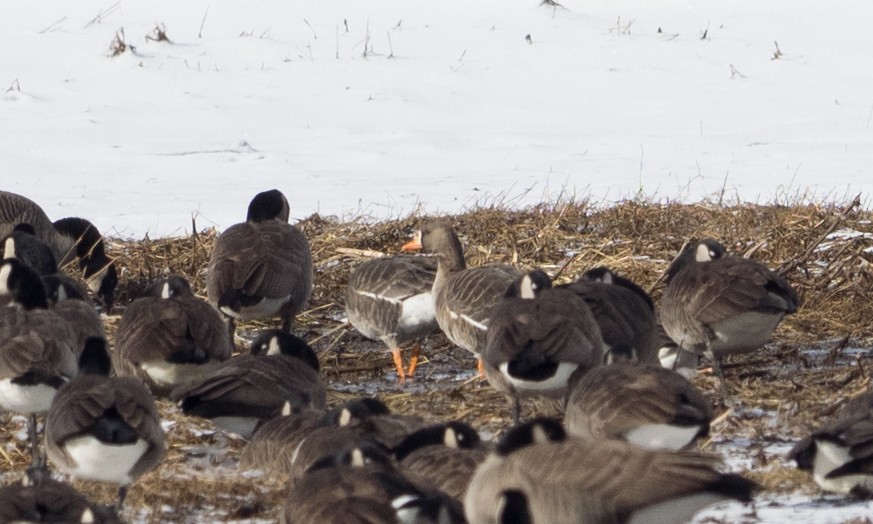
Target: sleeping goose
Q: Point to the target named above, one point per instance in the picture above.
(446, 455)
(168, 337)
(23, 244)
(718, 305)
(463, 297)
(17, 209)
(244, 391)
(643, 404)
(80, 241)
(271, 446)
(540, 340)
(623, 310)
(538, 474)
(839, 455)
(104, 428)
(37, 348)
(389, 299)
(69, 300)
(262, 267)
(49, 500)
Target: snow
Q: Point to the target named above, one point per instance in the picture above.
(450, 107)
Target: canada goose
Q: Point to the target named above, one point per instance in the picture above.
(50, 501)
(463, 298)
(244, 391)
(274, 443)
(839, 456)
(643, 404)
(69, 300)
(23, 244)
(540, 475)
(446, 455)
(540, 340)
(168, 336)
(261, 267)
(79, 239)
(360, 484)
(718, 305)
(359, 420)
(104, 428)
(623, 310)
(37, 347)
(390, 299)
(17, 209)
(271, 447)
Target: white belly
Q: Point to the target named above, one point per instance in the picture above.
(662, 436)
(675, 510)
(416, 311)
(25, 399)
(95, 460)
(743, 333)
(265, 308)
(168, 374)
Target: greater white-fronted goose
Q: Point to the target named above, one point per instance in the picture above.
(540, 340)
(839, 456)
(643, 404)
(389, 299)
(70, 301)
(244, 391)
(718, 305)
(262, 267)
(50, 501)
(463, 297)
(17, 209)
(37, 347)
(104, 428)
(81, 241)
(168, 337)
(623, 310)
(23, 244)
(538, 474)
(446, 455)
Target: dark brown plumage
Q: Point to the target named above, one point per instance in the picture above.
(104, 428)
(389, 299)
(560, 479)
(244, 391)
(541, 339)
(168, 337)
(718, 305)
(643, 404)
(17, 209)
(50, 501)
(622, 309)
(262, 267)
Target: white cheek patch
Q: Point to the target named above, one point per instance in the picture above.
(4, 279)
(703, 254)
(9, 248)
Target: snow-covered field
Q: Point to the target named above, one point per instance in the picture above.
(377, 107)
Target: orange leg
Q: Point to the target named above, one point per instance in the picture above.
(413, 360)
(480, 366)
(398, 361)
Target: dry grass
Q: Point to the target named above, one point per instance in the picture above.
(824, 250)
